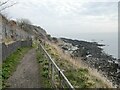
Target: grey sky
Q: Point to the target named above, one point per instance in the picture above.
(62, 17)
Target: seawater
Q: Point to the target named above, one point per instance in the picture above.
(109, 39)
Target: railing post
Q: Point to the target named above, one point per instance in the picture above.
(53, 75)
(52, 68)
(60, 80)
(49, 67)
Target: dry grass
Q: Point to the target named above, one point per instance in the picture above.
(8, 40)
(78, 63)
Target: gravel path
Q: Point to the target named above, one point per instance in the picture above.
(27, 73)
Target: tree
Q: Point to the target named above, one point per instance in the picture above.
(5, 4)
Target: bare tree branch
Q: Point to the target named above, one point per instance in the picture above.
(7, 7)
(3, 5)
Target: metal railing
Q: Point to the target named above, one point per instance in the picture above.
(54, 71)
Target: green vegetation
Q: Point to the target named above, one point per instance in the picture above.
(0, 76)
(79, 77)
(43, 65)
(10, 64)
(35, 44)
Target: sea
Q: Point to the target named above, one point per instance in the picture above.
(109, 39)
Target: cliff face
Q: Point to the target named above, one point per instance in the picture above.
(12, 31)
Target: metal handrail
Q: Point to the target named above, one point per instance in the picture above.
(57, 68)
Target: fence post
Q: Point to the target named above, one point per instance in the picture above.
(60, 80)
(49, 69)
(52, 68)
(53, 76)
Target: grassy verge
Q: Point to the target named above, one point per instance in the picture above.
(79, 77)
(35, 44)
(10, 64)
(43, 67)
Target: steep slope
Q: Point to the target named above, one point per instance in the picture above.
(92, 54)
(79, 75)
(72, 70)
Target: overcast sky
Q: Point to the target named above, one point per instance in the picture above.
(63, 17)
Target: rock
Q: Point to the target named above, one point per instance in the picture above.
(94, 56)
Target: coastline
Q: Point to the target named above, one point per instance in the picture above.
(109, 39)
(94, 56)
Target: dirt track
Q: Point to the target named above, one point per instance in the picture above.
(27, 73)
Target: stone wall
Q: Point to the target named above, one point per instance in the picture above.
(9, 49)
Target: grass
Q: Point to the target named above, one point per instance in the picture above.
(79, 77)
(35, 44)
(8, 40)
(43, 67)
(10, 64)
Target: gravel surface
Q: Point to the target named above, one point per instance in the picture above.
(27, 73)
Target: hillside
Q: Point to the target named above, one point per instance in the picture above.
(78, 74)
(92, 54)
(14, 31)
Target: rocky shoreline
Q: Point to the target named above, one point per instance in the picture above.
(93, 55)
